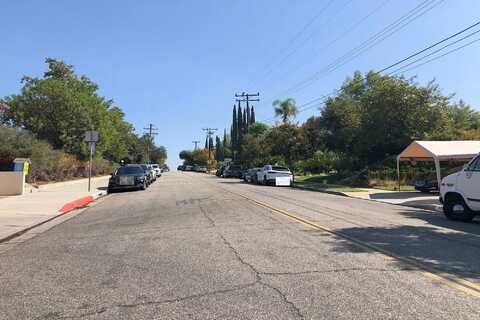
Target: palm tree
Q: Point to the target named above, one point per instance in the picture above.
(286, 109)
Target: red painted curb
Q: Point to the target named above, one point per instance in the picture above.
(82, 202)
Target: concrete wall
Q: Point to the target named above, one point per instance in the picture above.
(11, 183)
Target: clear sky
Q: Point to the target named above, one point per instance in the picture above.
(177, 64)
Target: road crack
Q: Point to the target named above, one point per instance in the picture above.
(258, 278)
(205, 214)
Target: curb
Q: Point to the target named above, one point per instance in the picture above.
(335, 193)
(82, 202)
(68, 207)
(433, 208)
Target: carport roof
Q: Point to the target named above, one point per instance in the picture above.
(441, 150)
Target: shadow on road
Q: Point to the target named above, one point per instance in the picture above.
(456, 251)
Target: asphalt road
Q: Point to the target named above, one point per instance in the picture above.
(196, 247)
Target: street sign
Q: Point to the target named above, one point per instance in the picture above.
(91, 136)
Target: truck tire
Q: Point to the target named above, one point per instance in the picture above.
(456, 209)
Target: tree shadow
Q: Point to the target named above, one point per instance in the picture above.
(456, 252)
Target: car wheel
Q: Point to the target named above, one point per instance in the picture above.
(143, 186)
(457, 210)
(264, 181)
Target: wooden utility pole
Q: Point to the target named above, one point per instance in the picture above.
(209, 132)
(247, 97)
(150, 132)
(196, 144)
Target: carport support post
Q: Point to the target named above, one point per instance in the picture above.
(437, 169)
(398, 172)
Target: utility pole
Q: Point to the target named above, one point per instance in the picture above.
(150, 132)
(247, 97)
(209, 132)
(196, 144)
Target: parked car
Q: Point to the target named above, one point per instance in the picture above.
(202, 169)
(181, 168)
(232, 171)
(188, 168)
(148, 173)
(131, 176)
(426, 185)
(220, 170)
(154, 173)
(158, 170)
(460, 192)
(251, 175)
(268, 175)
(165, 168)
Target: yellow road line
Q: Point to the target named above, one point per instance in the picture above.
(451, 280)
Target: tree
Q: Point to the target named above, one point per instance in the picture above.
(234, 131)
(258, 129)
(252, 116)
(285, 109)
(286, 142)
(219, 153)
(186, 156)
(158, 155)
(210, 143)
(240, 128)
(61, 106)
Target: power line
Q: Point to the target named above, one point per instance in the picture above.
(374, 40)
(443, 55)
(423, 57)
(433, 45)
(346, 32)
(271, 67)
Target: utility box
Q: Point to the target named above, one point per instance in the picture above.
(13, 183)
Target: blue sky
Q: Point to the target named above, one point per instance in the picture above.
(177, 64)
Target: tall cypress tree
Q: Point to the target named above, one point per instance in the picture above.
(206, 143)
(225, 138)
(210, 144)
(252, 116)
(234, 135)
(218, 149)
(245, 123)
(249, 122)
(239, 127)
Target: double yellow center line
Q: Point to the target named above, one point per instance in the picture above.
(451, 280)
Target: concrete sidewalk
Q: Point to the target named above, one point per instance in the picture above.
(405, 198)
(18, 213)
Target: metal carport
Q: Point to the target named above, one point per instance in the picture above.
(437, 151)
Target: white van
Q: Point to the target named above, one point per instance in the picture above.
(460, 192)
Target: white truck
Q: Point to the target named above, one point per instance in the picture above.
(460, 192)
(275, 175)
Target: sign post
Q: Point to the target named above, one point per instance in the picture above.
(91, 137)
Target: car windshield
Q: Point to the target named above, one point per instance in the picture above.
(155, 166)
(129, 170)
(280, 168)
(234, 168)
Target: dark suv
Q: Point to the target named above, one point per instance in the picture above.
(131, 176)
(233, 171)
